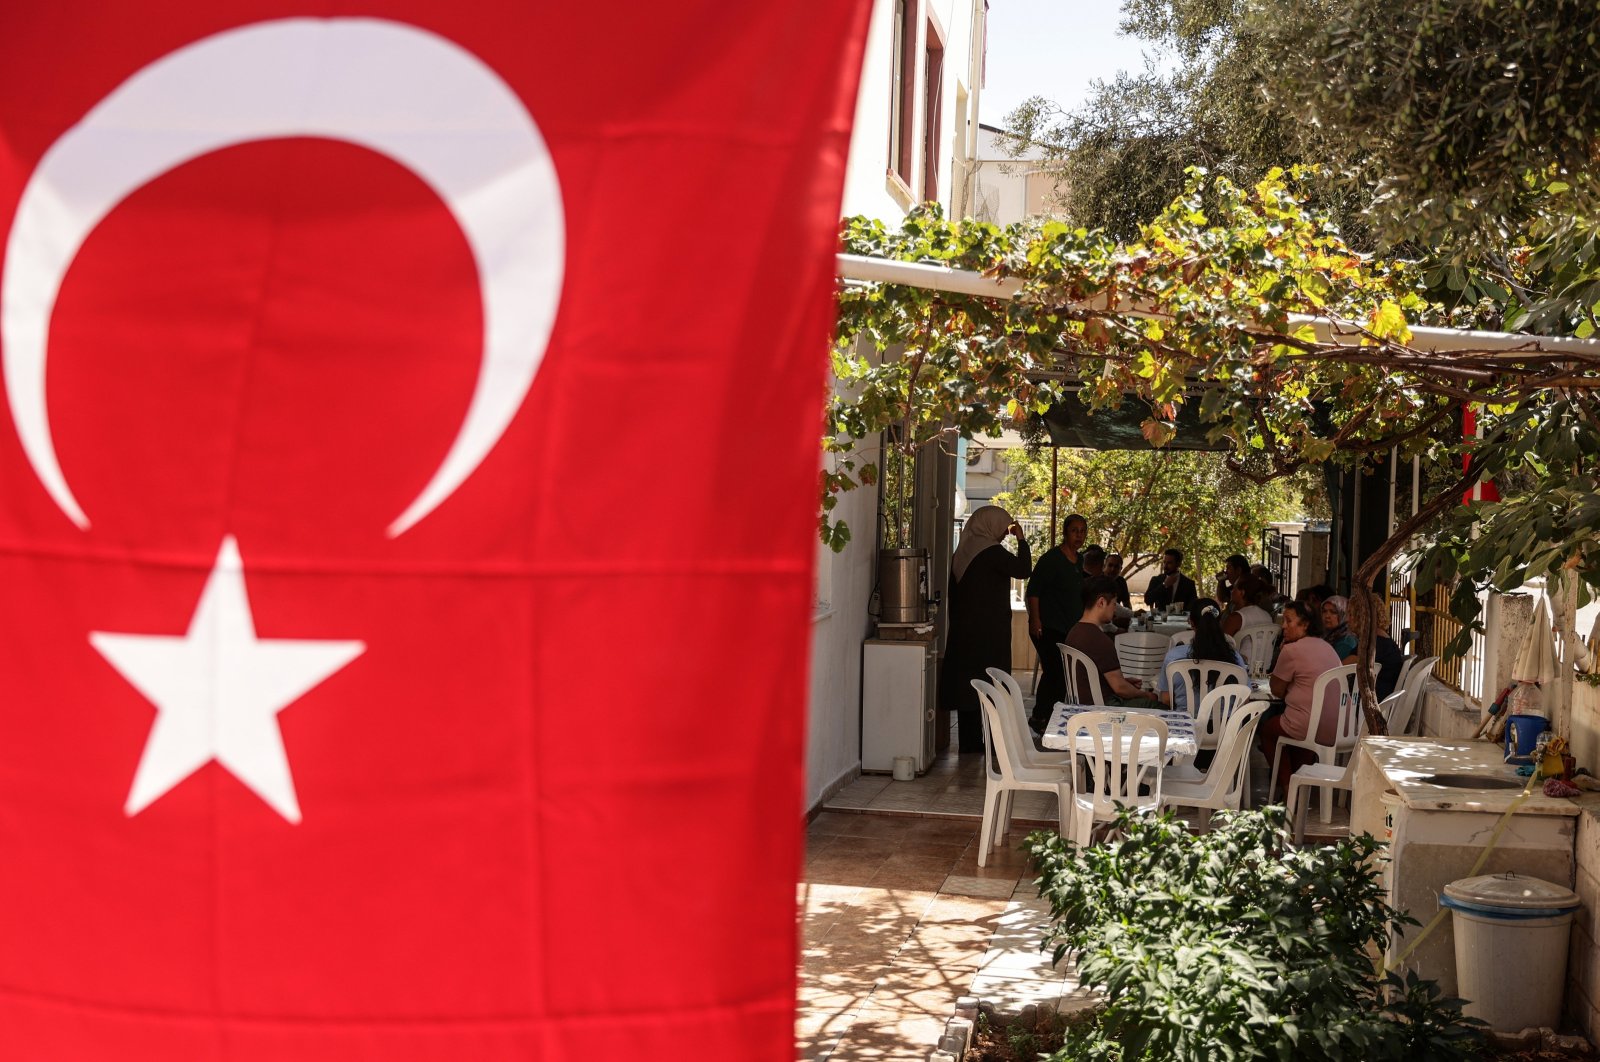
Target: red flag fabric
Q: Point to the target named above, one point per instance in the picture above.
(1485, 490)
(407, 508)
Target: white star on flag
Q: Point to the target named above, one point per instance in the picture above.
(218, 690)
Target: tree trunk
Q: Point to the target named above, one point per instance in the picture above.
(1363, 599)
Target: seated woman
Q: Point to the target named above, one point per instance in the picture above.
(1336, 627)
(1208, 644)
(1302, 659)
(1247, 611)
(1385, 652)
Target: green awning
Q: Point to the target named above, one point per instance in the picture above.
(1071, 423)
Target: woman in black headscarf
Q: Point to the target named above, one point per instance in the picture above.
(980, 615)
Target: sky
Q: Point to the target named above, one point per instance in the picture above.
(1054, 49)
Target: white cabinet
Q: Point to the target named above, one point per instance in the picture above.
(897, 700)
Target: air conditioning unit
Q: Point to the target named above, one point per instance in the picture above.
(980, 461)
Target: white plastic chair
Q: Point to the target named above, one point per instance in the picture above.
(1406, 664)
(1394, 711)
(1119, 761)
(1346, 731)
(1015, 714)
(1413, 683)
(1325, 776)
(1216, 707)
(1006, 774)
(1255, 644)
(1225, 784)
(1199, 677)
(1088, 691)
(1141, 653)
(1181, 638)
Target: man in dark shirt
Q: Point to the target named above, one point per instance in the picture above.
(1171, 588)
(1234, 569)
(1114, 571)
(1055, 601)
(1099, 601)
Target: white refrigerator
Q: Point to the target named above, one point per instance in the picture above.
(897, 702)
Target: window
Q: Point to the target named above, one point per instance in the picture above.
(902, 99)
(932, 117)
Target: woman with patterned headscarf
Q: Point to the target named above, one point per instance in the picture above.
(980, 615)
(1336, 625)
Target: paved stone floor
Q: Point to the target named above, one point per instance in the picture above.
(900, 921)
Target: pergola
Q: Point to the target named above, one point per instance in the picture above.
(1444, 348)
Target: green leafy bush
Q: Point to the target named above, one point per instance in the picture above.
(1234, 945)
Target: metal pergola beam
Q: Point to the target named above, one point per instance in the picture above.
(1436, 340)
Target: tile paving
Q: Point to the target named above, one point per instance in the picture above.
(899, 921)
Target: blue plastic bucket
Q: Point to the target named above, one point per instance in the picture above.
(1522, 734)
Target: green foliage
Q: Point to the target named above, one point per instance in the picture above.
(1197, 312)
(1471, 126)
(1550, 528)
(1140, 502)
(1122, 155)
(1233, 945)
(1448, 107)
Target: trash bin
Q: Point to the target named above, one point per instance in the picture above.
(1511, 948)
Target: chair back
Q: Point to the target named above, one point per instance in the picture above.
(1012, 709)
(999, 755)
(1228, 776)
(1181, 638)
(1198, 677)
(1120, 756)
(1006, 682)
(1255, 644)
(1141, 653)
(1413, 684)
(1347, 729)
(1083, 678)
(1396, 712)
(1406, 664)
(1216, 706)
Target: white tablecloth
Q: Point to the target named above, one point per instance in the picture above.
(1181, 740)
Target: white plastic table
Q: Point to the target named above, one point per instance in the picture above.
(1181, 739)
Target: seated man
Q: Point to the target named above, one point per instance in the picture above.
(1095, 563)
(1114, 570)
(1099, 604)
(1234, 569)
(1171, 588)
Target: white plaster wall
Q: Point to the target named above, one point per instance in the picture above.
(833, 753)
(833, 739)
(866, 187)
(1583, 956)
(1000, 181)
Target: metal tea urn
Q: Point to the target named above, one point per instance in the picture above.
(903, 585)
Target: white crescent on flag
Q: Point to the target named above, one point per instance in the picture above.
(400, 91)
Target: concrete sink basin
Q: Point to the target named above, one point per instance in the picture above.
(1470, 781)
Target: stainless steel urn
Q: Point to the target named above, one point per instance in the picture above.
(903, 585)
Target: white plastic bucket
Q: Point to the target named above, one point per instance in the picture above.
(1511, 948)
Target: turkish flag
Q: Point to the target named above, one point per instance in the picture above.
(407, 513)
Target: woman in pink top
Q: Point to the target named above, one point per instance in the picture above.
(1301, 660)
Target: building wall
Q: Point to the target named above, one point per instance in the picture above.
(1007, 189)
(1583, 958)
(845, 580)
